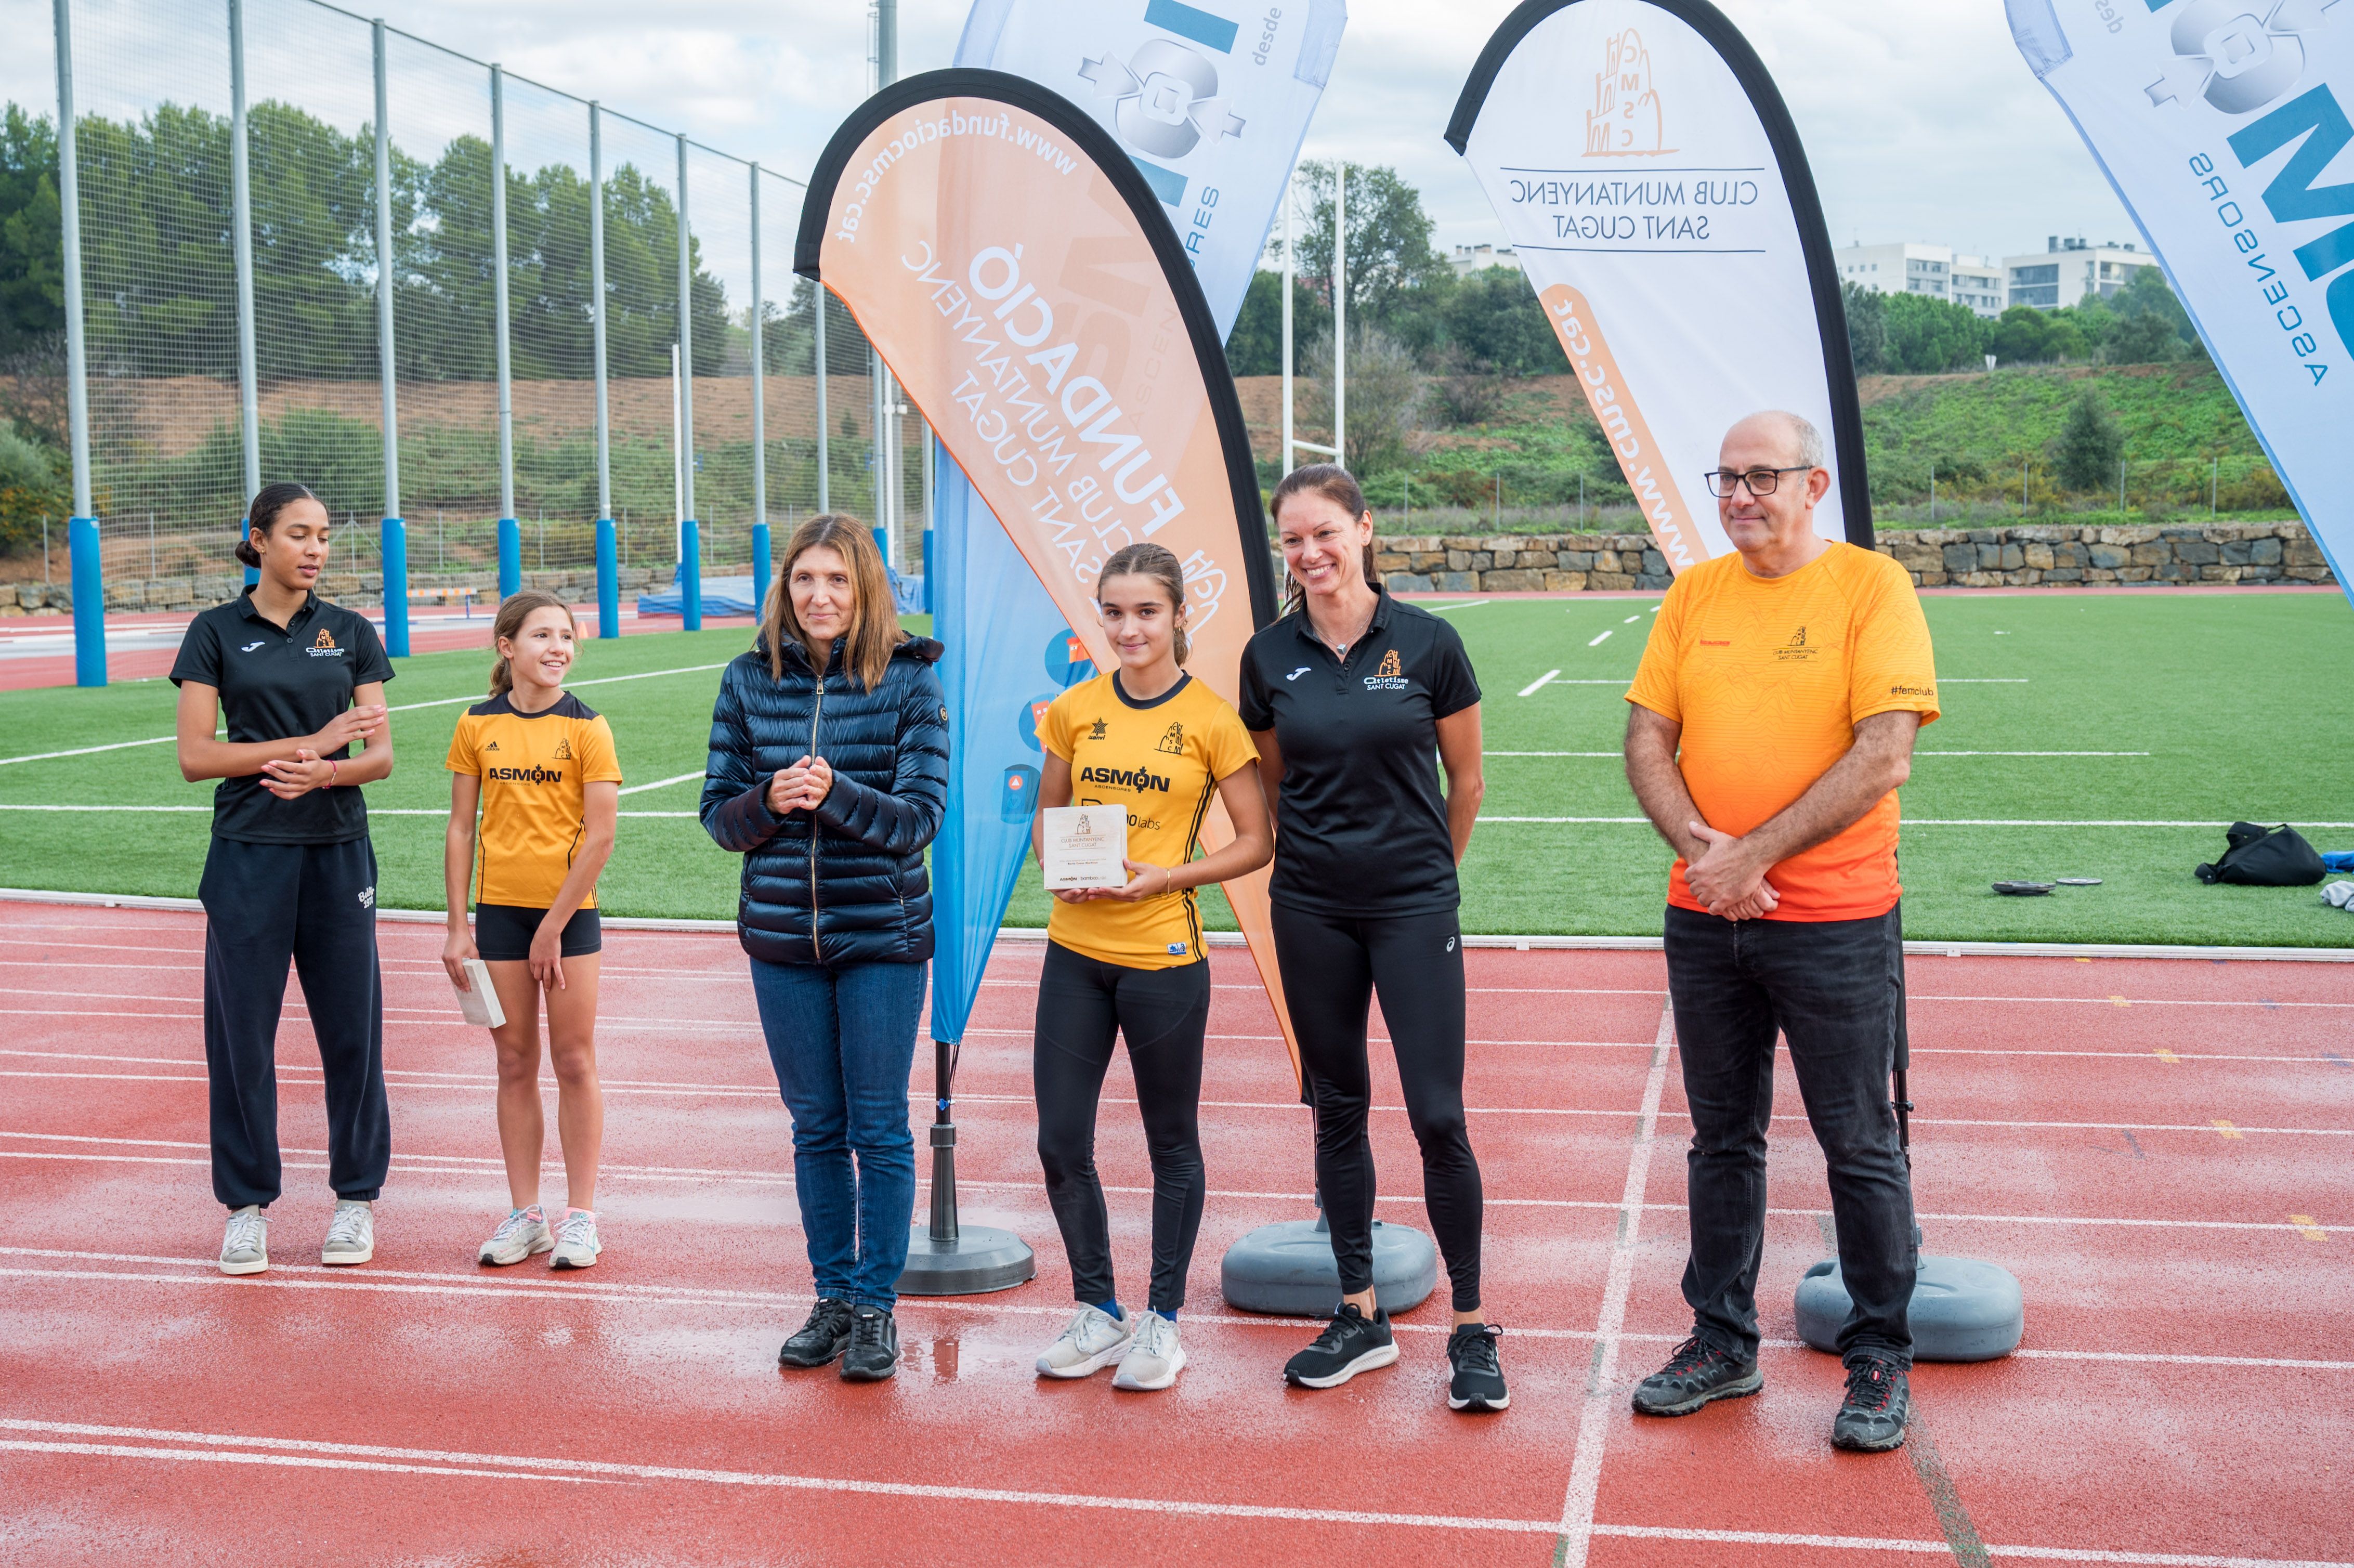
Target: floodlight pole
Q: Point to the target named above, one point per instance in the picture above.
(817, 356)
(608, 569)
(510, 530)
(393, 541)
(88, 571)
(240, 186)
(759, 419)
(690, 531)
(1289, 189)
(1340, 312)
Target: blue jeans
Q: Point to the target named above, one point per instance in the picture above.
(843, 1041)
(1834, 989)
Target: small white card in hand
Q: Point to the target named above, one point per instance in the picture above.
(1087, 846)
(479, 1002)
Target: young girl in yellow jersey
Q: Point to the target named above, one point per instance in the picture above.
(1127, 961)
(539, 763)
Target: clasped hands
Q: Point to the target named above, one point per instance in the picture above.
(1144, 881)
(802, 787)
(311, 770)
(1727, 876)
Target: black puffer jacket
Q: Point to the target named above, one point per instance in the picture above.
(849, 887)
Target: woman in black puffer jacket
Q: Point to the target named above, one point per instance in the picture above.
(830, 786)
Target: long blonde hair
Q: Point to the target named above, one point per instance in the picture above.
(513, 613)
(873, 620)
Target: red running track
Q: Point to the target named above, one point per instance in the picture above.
(2159, 1150)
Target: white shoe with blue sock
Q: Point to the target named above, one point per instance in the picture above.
(1092, 1341)
(1154, 1356)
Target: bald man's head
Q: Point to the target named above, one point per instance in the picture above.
(1794, 439)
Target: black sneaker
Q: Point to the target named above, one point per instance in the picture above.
(825, 1336)
(1478, 1381)
(874, 1352)
(1694, 1375)
(1879, 1404)
(1350, 1344)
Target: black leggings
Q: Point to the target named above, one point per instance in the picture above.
(1084, 1003)
(1331, 965)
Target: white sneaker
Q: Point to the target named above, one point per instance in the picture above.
(522, 1235)
(1092, 1341)
(1154, 1358)
(245, 1246)
(577, 1245)
(350, 1234)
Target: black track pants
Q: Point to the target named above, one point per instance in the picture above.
(1084, 1003)
(314, 904)
(1332, 965)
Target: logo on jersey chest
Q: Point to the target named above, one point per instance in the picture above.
(1135, 779)
(324, 646)
(1389, 677)
(1798, 651)
(532, 775)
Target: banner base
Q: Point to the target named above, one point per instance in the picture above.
(1964, 1308)
(1288, 1269)
(976, 1261)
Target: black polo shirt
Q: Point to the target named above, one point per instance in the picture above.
(276, 685)
(1361, 824)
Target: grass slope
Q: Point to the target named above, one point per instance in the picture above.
(2241, 700)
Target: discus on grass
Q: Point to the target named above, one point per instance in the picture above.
(2024, 889)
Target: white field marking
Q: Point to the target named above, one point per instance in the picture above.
(536, 1468)
(289, 1461)
(1467, 604)
(1631, 620)
(1536, 686)
(395, 707)
(1551, 753)
(1983, 680)
(1942, 1548)
(1616, 753)
(1909, 821)
(1601, 1394)
(1605, 637)
(662, 783)
(1621, 682)
(441, 811)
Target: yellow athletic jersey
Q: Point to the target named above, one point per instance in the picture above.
(536, 770)
(1162, 760)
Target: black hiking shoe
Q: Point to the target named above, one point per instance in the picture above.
(825, 1336)
(1879, 1404)
(1694, 1376)
(1478, 1381)
(1350, 1344)
(874, 1352)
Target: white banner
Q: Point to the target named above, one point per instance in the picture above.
(1650, 178)
(1211, 100)
(2224, 126)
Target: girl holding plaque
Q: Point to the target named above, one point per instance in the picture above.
(1149, 747)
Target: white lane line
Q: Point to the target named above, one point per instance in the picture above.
(395, 707)
(1536, 686)
(291, 1461)
(1601, 1381)
(1942, 1548)
(1909, 821)
(666, 783)
(1605, 637)
(540, 1467)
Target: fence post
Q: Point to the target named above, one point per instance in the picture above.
(759, 418)
(690, 537)
(510, 529)
(608, 576)
(81, 529)
(1288, 192)
(1341, 318)
(817, 353)
(394, 540)
(249, 393)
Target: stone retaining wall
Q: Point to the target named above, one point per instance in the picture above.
(2023, 555)
(358, 588)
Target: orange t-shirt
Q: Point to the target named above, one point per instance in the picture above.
(1768, 678)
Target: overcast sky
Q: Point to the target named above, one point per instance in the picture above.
(1920, 119)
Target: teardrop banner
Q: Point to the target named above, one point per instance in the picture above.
(2224, 128)
(1023, 281)
(1650, 178)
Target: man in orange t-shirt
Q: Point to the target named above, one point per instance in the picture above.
(1772, 720)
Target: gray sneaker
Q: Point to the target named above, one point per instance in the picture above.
(350, 1234)
(1092, 1341)
(1878, 1408)
(1154, 1356)
(523, 1234)
(245, 1246)
(577, 1245)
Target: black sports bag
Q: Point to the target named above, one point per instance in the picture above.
(2260, 857)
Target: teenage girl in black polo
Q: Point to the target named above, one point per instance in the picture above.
(1348, 698)
(291, 872)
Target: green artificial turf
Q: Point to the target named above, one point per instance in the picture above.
(2243, 703)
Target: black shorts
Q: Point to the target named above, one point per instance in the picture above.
(503, 933)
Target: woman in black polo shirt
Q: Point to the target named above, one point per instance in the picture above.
(291, 872)
(1348, 697)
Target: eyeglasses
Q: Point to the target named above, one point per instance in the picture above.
(1723, 482)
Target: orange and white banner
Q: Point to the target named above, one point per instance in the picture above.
(1654, 187)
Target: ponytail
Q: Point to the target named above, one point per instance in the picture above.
(1155, 562)
(513, 613)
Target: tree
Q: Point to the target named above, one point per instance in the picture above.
(1389, 239)
(1256, 346)
(1497, 323)
(1386, 394)
(1928, 336)
(32, 244)
(1866, 328)
(2025, 335)
(2089, 445)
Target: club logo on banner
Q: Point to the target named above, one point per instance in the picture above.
(1675, 238)
(2223, 125)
